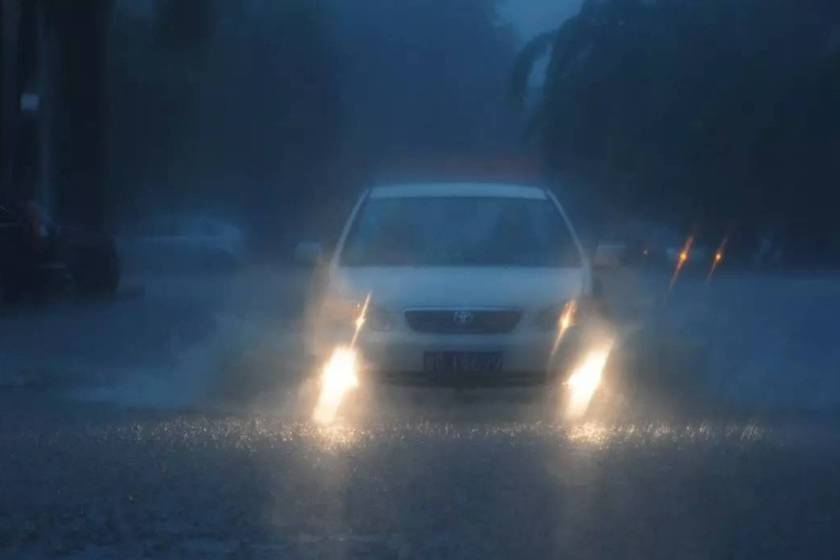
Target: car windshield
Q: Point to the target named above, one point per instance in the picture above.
(460, 232)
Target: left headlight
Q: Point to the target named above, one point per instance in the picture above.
(343, 312)
(557, 317)
(346, 313)
(380, 320)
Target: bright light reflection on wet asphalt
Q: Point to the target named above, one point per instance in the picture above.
(259, 431)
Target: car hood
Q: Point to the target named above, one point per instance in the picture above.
(459, 287)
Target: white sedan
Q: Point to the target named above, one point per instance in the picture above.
(452, 283)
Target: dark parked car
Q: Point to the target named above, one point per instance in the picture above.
(39, 258)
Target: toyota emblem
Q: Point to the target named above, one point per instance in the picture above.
(463, 318)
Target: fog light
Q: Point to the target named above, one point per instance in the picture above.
(585, 380)
(339, 377)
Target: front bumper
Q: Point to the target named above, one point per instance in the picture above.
(527, 357)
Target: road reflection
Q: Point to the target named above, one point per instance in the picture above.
(604, 435)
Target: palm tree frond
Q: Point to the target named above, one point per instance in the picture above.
(524, 66)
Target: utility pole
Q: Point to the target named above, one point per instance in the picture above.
(76, 63)
(9, 93)
(21, 169)
(53, 106)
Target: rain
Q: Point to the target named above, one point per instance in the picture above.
(419, 279)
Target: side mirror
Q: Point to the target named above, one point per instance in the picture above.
(309, 253)
(609, 256)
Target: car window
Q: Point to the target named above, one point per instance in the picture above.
(460, 232)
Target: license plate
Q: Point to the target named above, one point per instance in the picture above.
(461, 362)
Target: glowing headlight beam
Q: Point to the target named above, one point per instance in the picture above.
(339, 376)
(360, 320)
(717, 259)
(564, 323)
(585, 380)
(682, 258)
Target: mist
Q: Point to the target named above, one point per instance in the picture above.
(533, 17)
(279, 106)
(419, 278)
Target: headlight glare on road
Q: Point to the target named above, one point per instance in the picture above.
(339, 376)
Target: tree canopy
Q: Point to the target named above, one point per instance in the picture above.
(718, 112)
(280, 106)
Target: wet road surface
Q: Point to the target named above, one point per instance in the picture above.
(208, 452)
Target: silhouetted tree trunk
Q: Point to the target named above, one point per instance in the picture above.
(77, 67)
(9, 93)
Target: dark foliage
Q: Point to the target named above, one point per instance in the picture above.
(424, 76)
(281, 110)
(79, 140)
(721, 113)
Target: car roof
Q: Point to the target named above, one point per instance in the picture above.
(458, 190)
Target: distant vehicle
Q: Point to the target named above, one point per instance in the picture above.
(178, 242)
(453, 283)
(40, 258)
(697, 256)
(657, 245)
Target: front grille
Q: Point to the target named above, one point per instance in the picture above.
(463, 321)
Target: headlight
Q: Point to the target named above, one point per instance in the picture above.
(347, 314)
(339, 376)
(379, 319)
(557, 317)
(342, 312)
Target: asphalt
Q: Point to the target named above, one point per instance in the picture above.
(175, 422)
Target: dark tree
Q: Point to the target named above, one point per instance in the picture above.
(425, 76)
(717, 112)
(76, 64)
(224, 107)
